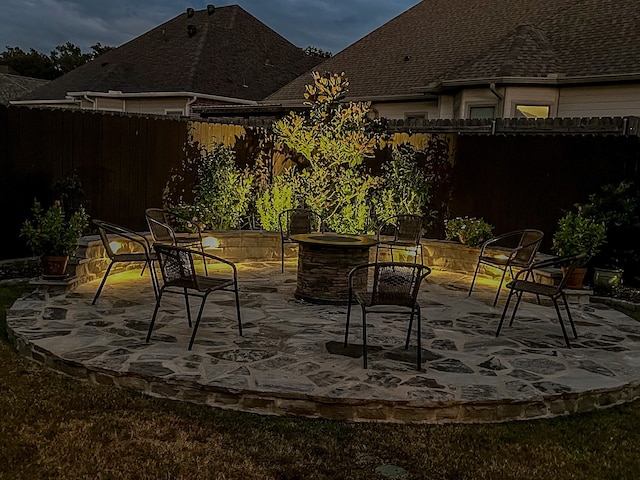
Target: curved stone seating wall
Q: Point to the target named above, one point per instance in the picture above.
(258, 245)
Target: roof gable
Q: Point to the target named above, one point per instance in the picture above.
(227, 53)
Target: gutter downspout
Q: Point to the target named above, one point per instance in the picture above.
(492, 87)
(92, 102)
(191, 101)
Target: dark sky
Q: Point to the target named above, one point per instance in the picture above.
(327, 24)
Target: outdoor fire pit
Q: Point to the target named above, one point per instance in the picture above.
(324, 263)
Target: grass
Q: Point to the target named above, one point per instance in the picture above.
(55, 427)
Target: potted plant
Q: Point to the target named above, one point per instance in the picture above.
(618, 207)
(470, 231)
(577, 234)
(53, 236)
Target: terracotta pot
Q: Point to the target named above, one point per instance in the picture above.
(576, 278)
(54, 266)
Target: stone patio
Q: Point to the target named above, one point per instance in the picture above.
(291, 361)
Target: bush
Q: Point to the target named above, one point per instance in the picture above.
(221, 194)
(468, 230)
(577, 234)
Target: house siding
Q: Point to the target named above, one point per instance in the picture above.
(514, 96)
(400, 110)
(602, 101)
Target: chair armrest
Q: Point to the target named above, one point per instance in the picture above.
(130, 235)
(204, 255)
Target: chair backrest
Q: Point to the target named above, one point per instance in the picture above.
(530, 242)
(406, 228)
(159, 226)
(176, 264)
(106, 228)
(397, 283)
(299, 220)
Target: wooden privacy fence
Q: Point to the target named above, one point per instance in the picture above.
(124, 162)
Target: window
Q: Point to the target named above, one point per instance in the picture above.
(532, 111)
(174, 112)
(482, 112)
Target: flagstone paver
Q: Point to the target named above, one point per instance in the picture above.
(291, 359)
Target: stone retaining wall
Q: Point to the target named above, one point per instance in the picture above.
(240, 246)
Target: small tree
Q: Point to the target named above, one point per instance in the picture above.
(333, 140)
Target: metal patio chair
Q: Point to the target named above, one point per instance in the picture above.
(109, 232)
(161, 227)
(407, 234)
(520, 285)
(514, 249)
(387, 284)
(179, 274)
(295, 221)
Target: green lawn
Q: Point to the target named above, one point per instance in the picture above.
(54, 427)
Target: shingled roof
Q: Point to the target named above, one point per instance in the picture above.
(13, 86)
(466, 42)
(221, 51)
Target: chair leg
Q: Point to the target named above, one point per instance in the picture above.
(504, 312)
(154, 278)
(155, 313)
(346, 327)
(238, 309)
(566, 306)
(104, 279)
(186, 302)
(406, 344)
(495, 300)
(197, 324)
(282, 255)
(475, 274)
(513, 314)
(564, 330)
(419, 334)
(364, 335)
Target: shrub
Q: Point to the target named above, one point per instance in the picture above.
(51, 232)
(577, 234)
(405, 186)
(469, 230)
(221, 194)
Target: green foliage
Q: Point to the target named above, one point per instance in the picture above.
(333, 139)
(405, 186)
(51, 232)
(617, 206)
(278, 197)
(469, 230)
(62, 59)
(576, 234)
(221, 193)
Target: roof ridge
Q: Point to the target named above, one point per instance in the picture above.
(193, 70)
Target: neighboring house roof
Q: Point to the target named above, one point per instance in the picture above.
(441, 43)
(221, 51)
(14, 86)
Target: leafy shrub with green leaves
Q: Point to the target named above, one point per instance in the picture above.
(405, 186)
(51, 232)
(276, 198)
(221, 194)
(470, 231)
(617, 206)
(577, 234)
(333, 139)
